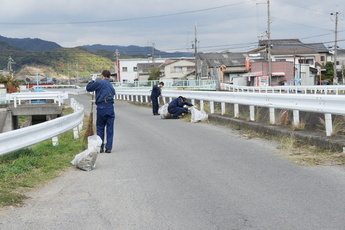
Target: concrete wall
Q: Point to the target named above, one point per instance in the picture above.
(37, 114)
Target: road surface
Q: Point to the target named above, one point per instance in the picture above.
(171, 174)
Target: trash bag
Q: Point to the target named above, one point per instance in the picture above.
(197, 115)
(86, 160)
(163, 111)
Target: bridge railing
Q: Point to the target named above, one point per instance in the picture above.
(17, 98)
(318, 103)
(28, 136)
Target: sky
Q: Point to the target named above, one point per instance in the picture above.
(218, 25)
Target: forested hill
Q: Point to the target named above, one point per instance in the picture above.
(30, 44)
(137, 51)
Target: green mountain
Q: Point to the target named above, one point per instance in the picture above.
(70, 61)
(30, 44)
(64, 61)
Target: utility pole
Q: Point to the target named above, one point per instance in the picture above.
(335, 77)
(153, 53)
(117, 69)
(269, 43)
(196, 51)
(77, 75)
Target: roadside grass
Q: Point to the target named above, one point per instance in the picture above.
(32, 167)
(302, 153)
(298, 152)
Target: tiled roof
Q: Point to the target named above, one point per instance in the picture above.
(227, 59)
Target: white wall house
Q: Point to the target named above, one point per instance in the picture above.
(182, 69)
(128, 68)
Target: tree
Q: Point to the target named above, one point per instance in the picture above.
(154, 73)
(328, 74)
(11, 84)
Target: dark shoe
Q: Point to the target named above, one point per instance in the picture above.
(108, 150)
(156, 114)
(174, 117)
(102, 150)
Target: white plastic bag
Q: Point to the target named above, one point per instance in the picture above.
(86, 160)
(163, 111)
(197, 115)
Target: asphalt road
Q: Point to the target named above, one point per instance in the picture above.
(170, 174)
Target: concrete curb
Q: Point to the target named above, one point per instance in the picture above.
(318, 139)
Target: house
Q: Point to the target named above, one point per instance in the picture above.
(303, 59)
(128, 70)
(233, 64)
(143, 72)
(178, 69)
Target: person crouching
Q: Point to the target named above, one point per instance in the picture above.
(176, 107)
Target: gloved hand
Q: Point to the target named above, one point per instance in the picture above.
(94, 77)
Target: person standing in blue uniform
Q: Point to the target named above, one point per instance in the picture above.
(176, 107)
(105, 93)
(155, 93)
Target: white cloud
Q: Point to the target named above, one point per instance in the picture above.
(238, 22)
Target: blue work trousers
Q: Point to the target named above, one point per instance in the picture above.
(105, 123)
(177, 111)
(155, 105)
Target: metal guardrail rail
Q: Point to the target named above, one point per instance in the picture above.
(58, 97)
(317, 103)
(25, 137)
(309, 89)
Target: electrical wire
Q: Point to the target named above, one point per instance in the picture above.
(122, 20)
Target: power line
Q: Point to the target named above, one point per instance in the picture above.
(121, 20)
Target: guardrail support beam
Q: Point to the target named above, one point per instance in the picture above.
(211, 106)
(296, 118)
(272, 116)
(252, 112)
(329, 126)
(236, 111)
(201, 104)
(223, 108)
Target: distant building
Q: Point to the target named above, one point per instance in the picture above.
(129, 68)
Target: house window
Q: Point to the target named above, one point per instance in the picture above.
(124, 69)
(178, 69)
(135, 69)
(323, 58)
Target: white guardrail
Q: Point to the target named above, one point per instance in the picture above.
(28, 136)
(318, 103)
(17, 98)
(298, 89)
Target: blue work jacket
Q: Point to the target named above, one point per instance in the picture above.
(156, 91)
(105, 91)
(177, 102)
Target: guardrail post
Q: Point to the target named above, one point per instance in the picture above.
(202, 104)
(170, 99)
(15, 102)
(137, 98)
(193, 101)
(252, 112)
(212, 106)
(55, 141)
(272, 116)
(328, 123)
(146, 98)
(296, 118)
(223, 108)
(236, 111)
(141, 98)
(164, 100)
(75, 133)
